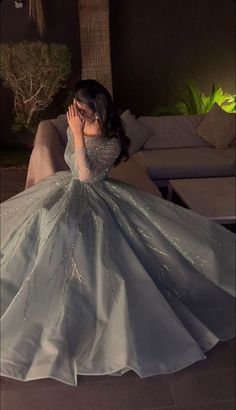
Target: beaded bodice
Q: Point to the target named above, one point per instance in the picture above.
(92, 162)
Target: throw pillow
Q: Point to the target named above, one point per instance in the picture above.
(173, 131)
(218, 127)
(137, 132)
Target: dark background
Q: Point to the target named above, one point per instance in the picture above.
(155, 47)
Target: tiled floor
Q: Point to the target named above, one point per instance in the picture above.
(206, 385)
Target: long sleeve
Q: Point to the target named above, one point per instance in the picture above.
(83, 164)
(97, 164)
(93, 161)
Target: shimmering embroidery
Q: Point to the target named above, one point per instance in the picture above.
(71, 271)
(107, 263)
(109, 276)
(92, 162)
(196, 260)
(165, 283)
(179, 211)
(75, 271)
(199, 225)
(20, 210)
(66, 201)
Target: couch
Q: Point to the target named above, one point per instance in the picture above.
(162, 148)
(47, 157)
(180, 146)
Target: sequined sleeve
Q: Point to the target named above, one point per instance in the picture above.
(85, 168)
(100, 160)
(93, 161)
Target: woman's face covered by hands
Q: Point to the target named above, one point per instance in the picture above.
(88, 121)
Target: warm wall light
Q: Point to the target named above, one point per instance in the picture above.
(19, 4)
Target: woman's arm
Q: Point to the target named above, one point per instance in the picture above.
(84, 167)
(76, 123)
(76, 126)
(102, 160)
(103, 156)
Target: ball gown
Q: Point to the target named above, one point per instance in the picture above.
(99, 277)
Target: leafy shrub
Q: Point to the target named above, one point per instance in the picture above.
(193, 101)
(34, 71)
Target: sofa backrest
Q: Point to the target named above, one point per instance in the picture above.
(173, 131)
(61, 125)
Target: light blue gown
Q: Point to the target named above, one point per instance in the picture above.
(99, 277)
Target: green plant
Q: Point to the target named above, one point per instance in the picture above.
(34, 71)
(194, 101)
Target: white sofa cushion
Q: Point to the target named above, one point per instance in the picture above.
(218, 127)
(136, 131)
(189, 162)
(174, 131)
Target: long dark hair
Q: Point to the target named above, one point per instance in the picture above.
(99, 100)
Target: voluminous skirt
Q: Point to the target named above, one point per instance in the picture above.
(101, 278)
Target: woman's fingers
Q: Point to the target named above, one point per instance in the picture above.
(75, 118)
(71, 111)
(77, 110)
(78, 113)
(75, 113)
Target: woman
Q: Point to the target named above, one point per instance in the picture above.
(99, 277)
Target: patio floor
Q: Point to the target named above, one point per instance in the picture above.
(206, 385)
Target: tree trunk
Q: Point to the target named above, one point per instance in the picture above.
(95, 41)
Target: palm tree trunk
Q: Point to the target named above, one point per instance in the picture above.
(95, 41)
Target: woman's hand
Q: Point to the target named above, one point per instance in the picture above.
(76, 122)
